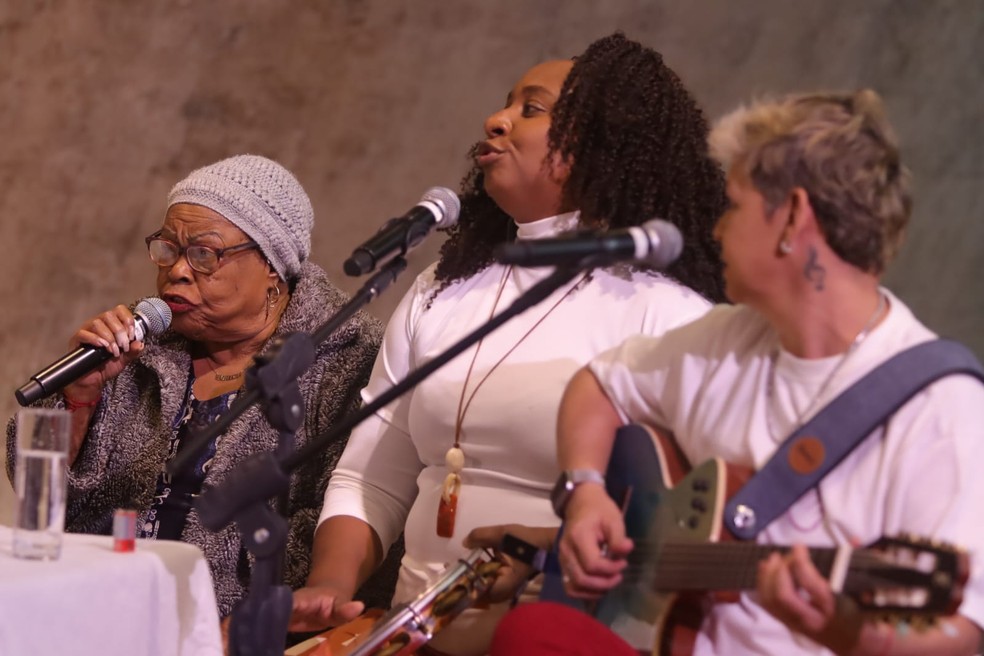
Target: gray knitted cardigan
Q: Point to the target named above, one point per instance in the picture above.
(128, 438)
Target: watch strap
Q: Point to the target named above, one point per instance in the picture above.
(570, 479)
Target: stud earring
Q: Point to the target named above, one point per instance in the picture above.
(785, 247)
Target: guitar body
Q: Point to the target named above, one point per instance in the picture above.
(663, 502)
(684, 559)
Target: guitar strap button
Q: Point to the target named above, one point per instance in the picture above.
(744, 517)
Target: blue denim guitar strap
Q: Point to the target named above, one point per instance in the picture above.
(818, 446)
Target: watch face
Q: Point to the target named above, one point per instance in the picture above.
(560, 493)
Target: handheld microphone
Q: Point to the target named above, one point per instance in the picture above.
(438, 208)
(152, 316)
(656, 243)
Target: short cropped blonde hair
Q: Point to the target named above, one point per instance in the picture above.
(840, 148)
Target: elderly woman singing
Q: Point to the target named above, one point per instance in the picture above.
(231, 265)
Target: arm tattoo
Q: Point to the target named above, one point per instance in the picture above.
(813, 271)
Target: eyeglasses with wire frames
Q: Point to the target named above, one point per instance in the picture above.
(204, 259)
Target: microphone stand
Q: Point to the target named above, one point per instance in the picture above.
(259, 621)
(535, 294)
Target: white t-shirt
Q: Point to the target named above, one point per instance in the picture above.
(916, 474)
(393, 468)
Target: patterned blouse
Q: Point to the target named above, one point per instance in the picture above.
(176, 493)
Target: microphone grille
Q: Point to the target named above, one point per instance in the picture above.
(448, 201)
(666, 243)
(155, 313)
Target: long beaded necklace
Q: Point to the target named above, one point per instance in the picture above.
(770, 394)
(771, 381)
(454, 459)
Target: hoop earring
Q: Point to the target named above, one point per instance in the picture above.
(273, 298)
(785, 247)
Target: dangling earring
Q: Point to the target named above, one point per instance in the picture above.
(273, 295)
(785, 247)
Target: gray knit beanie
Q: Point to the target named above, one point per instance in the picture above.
(263, 199)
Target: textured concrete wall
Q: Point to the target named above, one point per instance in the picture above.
(105, 104)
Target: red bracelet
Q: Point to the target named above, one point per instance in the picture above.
(73, 405)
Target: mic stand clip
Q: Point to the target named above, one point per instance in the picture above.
(259, 621)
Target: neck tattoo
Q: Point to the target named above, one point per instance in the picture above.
(224, 378)
(814, 271)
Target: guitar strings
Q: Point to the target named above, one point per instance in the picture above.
(682, 567)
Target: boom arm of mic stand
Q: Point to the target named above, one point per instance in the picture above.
(528, 299)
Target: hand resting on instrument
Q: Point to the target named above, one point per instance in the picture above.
(317, 608)
(514, 573)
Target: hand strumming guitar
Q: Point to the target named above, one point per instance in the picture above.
(594, 547)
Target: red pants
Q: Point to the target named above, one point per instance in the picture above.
(547, 628)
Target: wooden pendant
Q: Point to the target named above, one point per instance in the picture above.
(445, 516)
(448, 507)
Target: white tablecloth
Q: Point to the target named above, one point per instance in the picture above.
(155, 601)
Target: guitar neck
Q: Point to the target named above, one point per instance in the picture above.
(721, 566)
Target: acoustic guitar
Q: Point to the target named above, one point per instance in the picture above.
(406, 627)
(674, 518)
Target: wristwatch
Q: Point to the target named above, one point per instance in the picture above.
(565, 485)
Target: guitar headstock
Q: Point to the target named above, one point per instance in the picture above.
(908, 576)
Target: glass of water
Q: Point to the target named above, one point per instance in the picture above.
(40, 481)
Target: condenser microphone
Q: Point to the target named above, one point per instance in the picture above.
(656, 243)
(438, 208)
(152, 316)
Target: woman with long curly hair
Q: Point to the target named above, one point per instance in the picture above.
(608, 140)
(633, 142)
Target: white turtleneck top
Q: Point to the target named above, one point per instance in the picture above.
(393, 468)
